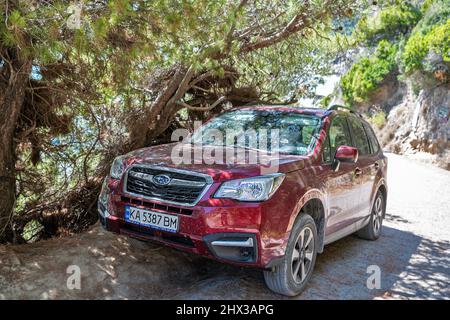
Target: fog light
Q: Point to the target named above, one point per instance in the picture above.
(245, 253)
(235, 247)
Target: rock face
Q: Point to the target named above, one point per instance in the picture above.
(389, 93)
(418, 119)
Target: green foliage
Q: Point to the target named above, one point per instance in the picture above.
(378, 119)
(431, 34)
(389, 23)
(436, 39)
(16, 20)
(325, 101)
(287, 70)
(31, 230)
(413, 32)
(415, 50)
(439, 40)
(365, 75)
(426, 5)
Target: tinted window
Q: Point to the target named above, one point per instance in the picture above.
(338, 134)
(359, 136)
(374, 145)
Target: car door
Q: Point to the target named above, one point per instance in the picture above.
(341, 186)
(365, 173)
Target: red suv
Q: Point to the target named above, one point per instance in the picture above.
(324, 177)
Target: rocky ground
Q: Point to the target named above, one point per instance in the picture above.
(413, 254)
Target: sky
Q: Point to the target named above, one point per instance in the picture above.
(322, 90)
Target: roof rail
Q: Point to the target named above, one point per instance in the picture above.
(341, 107)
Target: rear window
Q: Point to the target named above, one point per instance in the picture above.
(374, 145)
(359, 136)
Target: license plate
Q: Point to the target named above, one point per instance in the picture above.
(152, 219)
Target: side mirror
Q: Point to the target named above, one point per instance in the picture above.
(344, 154)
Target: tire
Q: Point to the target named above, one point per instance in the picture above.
(283, 279)
(372, 230)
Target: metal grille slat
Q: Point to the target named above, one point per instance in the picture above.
(183, 188)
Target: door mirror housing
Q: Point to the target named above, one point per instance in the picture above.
(344, 154)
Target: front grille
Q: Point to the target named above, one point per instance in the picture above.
(183, 188)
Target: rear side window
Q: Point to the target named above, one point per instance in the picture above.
(359, 136)
(338, 134)
(374, 145)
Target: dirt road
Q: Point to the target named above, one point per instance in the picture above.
(413, 254)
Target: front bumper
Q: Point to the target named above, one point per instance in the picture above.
(239, 248)
(227, 231)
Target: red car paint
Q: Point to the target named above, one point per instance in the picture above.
(347, 154)
(346, 196)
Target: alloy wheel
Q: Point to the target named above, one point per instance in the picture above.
(302, 256)
(377, 215)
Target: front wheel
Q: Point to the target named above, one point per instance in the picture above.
(291, 276)
(372, 230)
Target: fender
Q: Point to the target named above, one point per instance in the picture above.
(309, 195)
(381, 182)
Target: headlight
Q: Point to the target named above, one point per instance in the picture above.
(251, 189)
(117, 168)
(102, 204)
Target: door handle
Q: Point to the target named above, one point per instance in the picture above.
(358, 172)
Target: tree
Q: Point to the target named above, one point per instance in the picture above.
(66, 66)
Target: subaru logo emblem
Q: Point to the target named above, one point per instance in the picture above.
(161, 179)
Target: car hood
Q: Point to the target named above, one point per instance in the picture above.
(181, 156)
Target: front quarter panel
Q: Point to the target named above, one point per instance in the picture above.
(280, 212)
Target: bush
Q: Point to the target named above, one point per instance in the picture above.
(432, 34)
(378, 119)
(365, 75)
(325, 101)
(419, 45)
(388, 23)
(439, 40)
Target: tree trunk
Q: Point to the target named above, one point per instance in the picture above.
(151, 125)
(12, 95)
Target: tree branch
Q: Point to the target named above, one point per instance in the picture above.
(229, 37)
(296, 24)
(215, 104)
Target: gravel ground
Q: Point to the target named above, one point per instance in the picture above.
(413, 254)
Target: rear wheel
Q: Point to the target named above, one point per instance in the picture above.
(372, 230)
(291, 276)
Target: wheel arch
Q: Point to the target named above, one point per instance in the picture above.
(312, 203)
(382, 188)
(316, 210)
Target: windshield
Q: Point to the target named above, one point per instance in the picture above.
(271, 130)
